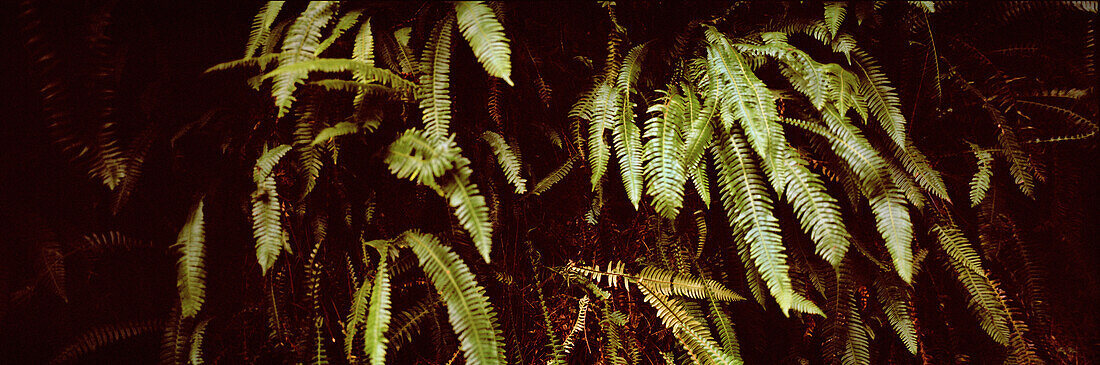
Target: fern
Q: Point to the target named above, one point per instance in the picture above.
(191, 274)
(979, 185)
(692, 332)
(602, 117)
(265, 164)
(195, 355)
(364, 70)
(101, 336)
(261, 26)
(554, 177)
(660, 281)
(408, 323)
(435, 67)
(509, 162)
(817, 211)
(378, 318)
(340, 129)
(834, 15)
(967, 266)
(363, 50)
(415, 157)
(266, 224)
(1018, 161)
(749, 207)
(301, 44)
(346, 22)
(625, 134)
(470, 312)
(881, 99)
(662, 155)
(485, 34)
(896, 303)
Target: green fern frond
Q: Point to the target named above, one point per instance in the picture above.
(857, 339)
(508, 161)
(957, 247)
(363, 50)
(471, 315)
(267, 227)
(661, 281)
(603, 117)
(611, 325)
(435, 68)
(267, 161)
(356, 316)
(415, 157)
(627, 140)
(301, 43)
(408, 323)
(662, 155)
(983, 300)
(261, 26)
(817, 211)
(749, 208)
(1085, 128)
(346, 22)
(1018, 161)
(882, 101)
(101, 336)
(980, 184)
(921, 169)
(340, 129)
(834, 15)
(364, 70)
(469, 206)
(262, 62)
(896, 303)
(191, 274)
(554, 177)
(691, 331)
(486, 37)
(195, 355)
(378, 318)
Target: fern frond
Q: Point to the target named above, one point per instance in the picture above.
(817, 211)
(414, 156)
(340, 129)
(508, 161)
(980, 184)
(101, 336)
(435, 68)
(408, 323)
(346, 22)
(692, 332)
(469, 206)
(191, 272)
(662, 155)
(896, 303)
(578, 325)
(356, 316)
(857, 341)
(834, 15)
(267, 227)
(364, 70)
(378, 318)
(749, 208)
(195, 355)
(1019, 164)
(486, 37)
(1085, 128)
(267, 161)
(471, 315)
(983, 300)
(661, 281)
(881, 99)
(554, 177)
(918, 166)
(301, 43)
(363, 50)
(261, 26)
(611, 325)
(602, 117)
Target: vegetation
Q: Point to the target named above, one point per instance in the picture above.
(631, 183)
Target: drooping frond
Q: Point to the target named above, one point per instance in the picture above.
(435, 68)
(486, 37)
(661, 281)
(190, 272)
(366, 71)
(834, 15)
(983, 299)
(261, 26)
(979, 185)
(363, 50)
(554, 177)
(578, 325)
(918, 166)
(603, 117)
(851, 328)
(408, 323)
(267, 225)
(378, 319)
(508, 161)
(340, 129)
(469, 206)
(346, 22)
(882, 101)
(101, 336)
(817, 211)
(195, 355)
(301, 43)
(692, 332)
(471, 315)
(267, 161)
(360, 302)
(1018, 161)
(897, 304)
(662, 155)
(749, 208)
(1081, 127)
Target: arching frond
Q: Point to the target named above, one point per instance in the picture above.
(897, 304)
(486, 37)
(834, 15)
(1018, 161)
(508, 161)
(378, 318)
(408, 323)
(261, 26)
(300, 44)
(979, 185)
(191, 271)
(340, 129)
(364, 70)
(415, 157)
(661, 281)
(471, 315)
(435, 68)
